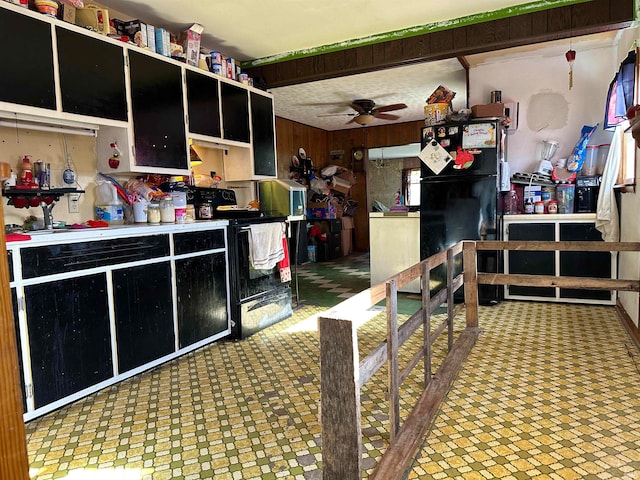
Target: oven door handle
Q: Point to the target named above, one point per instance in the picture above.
(244, 229)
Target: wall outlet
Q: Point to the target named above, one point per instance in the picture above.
(74, 202)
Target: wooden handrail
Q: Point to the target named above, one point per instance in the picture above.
(343, 374)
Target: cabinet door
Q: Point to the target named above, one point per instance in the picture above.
(235, 113)
(202, 297)
(584, 264)
(532, 263)
(264, 145)
(91, 76)
(203, 102)
(69, 336)
(158, 112)
(144, 314)
(14, 301)
(27, 60)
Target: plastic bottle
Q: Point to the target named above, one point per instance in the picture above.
(109, 207)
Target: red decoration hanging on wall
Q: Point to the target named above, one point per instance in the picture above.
(571, 56)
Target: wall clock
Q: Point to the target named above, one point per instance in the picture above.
(357, 159)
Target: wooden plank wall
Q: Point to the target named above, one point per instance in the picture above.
(318, 143)
(553, 24)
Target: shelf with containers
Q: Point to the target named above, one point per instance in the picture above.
(144, 106)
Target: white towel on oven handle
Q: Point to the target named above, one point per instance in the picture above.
(265, 244)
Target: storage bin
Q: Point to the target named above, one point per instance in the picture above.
(565, 195)
(590, 159)
(603, 153)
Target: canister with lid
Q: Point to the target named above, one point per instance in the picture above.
(153, 213)
(538, 207)
(167, 210)
(552, 207)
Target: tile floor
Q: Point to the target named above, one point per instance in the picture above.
(548, 392)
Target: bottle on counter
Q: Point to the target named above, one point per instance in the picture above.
(528, 205)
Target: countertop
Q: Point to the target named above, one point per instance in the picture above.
(46, 237)
(547, 217)
(394, 215)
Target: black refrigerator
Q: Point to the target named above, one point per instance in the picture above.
(459, 199)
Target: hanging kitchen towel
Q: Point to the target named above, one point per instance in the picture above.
(285, 269)
(607, 221)
(265, 245)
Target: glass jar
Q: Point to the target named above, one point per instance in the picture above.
(153, 213)
(167, 211)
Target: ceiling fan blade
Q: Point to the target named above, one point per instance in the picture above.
(389, 108)
(353, 120)
(337, 115)
(386, 116)
(358, 108)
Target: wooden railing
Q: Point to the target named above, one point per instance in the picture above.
(343, 373)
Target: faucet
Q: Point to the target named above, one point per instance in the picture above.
(47, 210)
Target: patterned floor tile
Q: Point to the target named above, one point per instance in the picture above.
(548, 392)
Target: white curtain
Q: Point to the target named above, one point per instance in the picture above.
(607, 221)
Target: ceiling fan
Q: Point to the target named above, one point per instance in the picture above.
(367, 112)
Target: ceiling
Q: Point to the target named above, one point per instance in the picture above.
(249, 30)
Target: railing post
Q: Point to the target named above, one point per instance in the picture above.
(392, 358)
(470, 265)
(426, 321)
(340, 400)
(450, 305)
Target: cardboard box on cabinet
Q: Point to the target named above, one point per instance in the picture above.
(488, 110)
(67, 13)
(190, 40)
(95, 18)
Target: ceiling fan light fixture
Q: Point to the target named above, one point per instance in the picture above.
(364, 119)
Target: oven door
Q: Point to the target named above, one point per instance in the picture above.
(251, 281)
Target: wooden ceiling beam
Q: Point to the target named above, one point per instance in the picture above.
(590, 17)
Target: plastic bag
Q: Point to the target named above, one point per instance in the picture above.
(319, 186)
(576, 159)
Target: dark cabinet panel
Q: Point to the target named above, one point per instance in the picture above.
(235, 113)
(203, 104)
(65, 257)
(264, 156)
(192, 242)
(27, 61)
(532, 263)
(202, 297)
(14, 301)
(91, 76)
(69, 338)
(158, 112)
(584, 264)
(144, 314)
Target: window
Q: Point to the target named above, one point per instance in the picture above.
(411, 186)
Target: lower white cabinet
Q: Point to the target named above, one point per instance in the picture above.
(578, 227)
(394, 245)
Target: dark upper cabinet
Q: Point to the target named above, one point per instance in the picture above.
(158, 112)
(203, 102)
(27, 60)
(264, 148)
(235, 113)
(91, 76)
